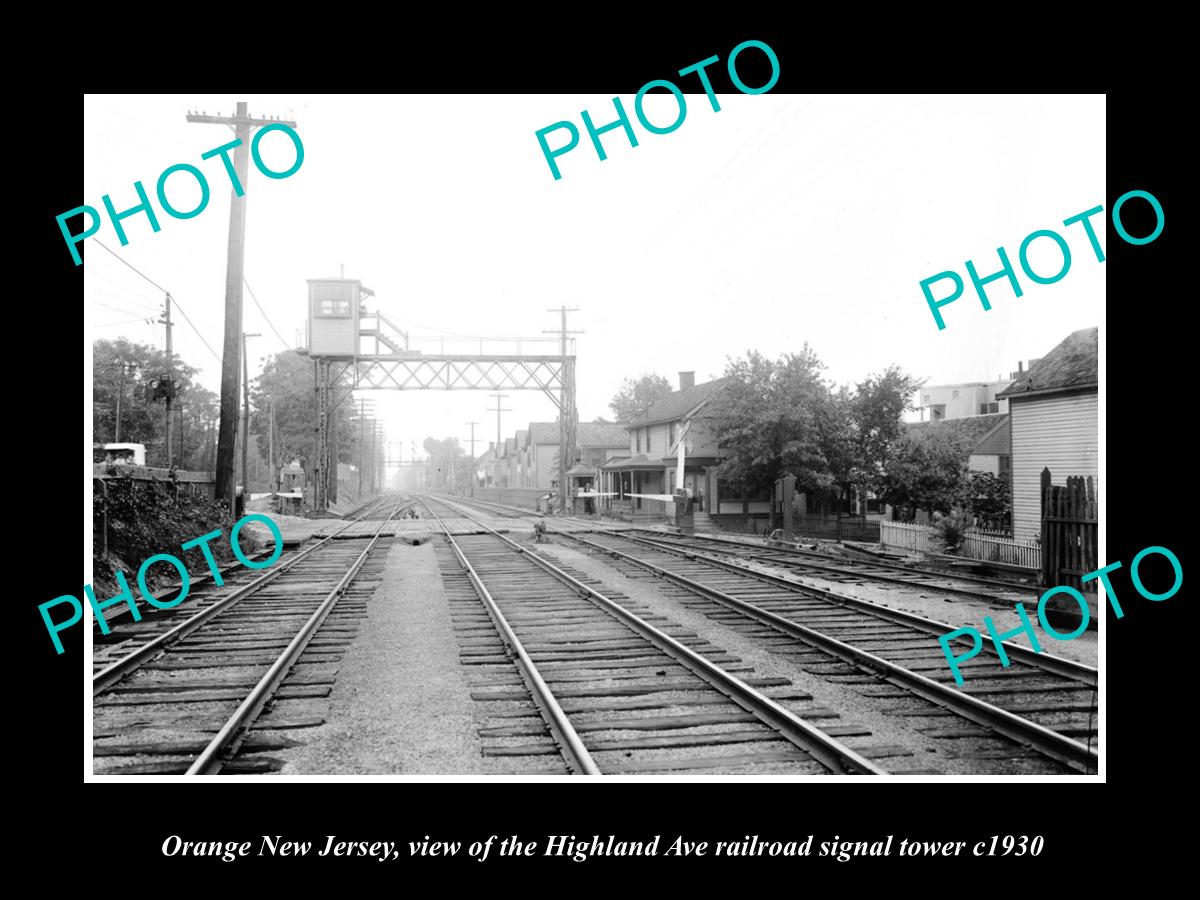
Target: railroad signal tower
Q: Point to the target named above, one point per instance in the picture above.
(353, 349)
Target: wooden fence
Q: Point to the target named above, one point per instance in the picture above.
(1069, 532)
(837, 528)
(986, 546)
(904, 536)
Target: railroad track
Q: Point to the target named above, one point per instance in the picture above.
(1039, 706)
(601, 685)
(812, 562)
(185, 699)
(838, 568)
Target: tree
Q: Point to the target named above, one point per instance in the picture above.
(450, 466)
(772, 417)
(990, 500)
(287, 381)
(635, 397)
(865, 428)
(193, 415)
(926, 470)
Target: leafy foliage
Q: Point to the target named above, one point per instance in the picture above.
(144, 422)
(927, 469)
(779, 416)
(635, 397)
(774, 416)
(449, 465)
(287, 380)
(949, 530)
(989, 499)
(145, 518)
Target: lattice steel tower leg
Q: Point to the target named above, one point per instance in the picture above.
(321, 465)
(566, 446)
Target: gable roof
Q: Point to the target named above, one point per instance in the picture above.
(990, 431)
(678, 404)
(543, 433)
(1074, 363)
(601, 434)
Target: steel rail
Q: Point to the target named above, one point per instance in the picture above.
(1056, 665)
(829, 566)
(1044, 740)
(110, 675)
(570, 744)
(226, 741)
(833, 754)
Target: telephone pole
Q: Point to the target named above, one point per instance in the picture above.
(273, 470)
(241, 123)
(246, 414)
(166, 320)
(120, 395)
(567, 416)
(472, 424)
(497, 411)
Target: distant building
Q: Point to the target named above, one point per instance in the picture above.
(989, 438)
(650, 466)
(1055, 424)
(970, 398)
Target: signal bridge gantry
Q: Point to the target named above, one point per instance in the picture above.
(353, 349)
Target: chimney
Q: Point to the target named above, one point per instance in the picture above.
(687, 380)
(1020, 366)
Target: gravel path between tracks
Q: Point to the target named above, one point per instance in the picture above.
(853, 706)
(401, 704)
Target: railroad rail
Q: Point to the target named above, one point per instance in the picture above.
(595, 664)
(192, 693)
(1040, 701)
(839, 568)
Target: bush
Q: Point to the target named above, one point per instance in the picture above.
(950, 530)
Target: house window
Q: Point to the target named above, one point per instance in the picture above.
(334, 309)
(938, 411)
(637, 438)
(670, 435)
(954, 395)
(989, 408)
(648, 432)
(1005, 466)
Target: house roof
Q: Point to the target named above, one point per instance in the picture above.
(587, 434)
(1074, 363)
(986, 435)
(641, 461)
(601, 434)
(678, 404)
(580, 469)
(543, 433)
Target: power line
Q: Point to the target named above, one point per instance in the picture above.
(270, 324)
(186, 318)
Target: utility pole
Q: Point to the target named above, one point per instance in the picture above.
(166, 320)
(566, 405)
(120, 395)
(472, 424)
(374, 466)
(274, 470)
(179, 408)
(242, 124)
(245, 414)
(497, 411)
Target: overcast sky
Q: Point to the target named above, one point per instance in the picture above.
(778, 220)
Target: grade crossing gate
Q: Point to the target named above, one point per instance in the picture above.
(1070, 532)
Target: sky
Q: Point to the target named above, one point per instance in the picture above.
(779, 220)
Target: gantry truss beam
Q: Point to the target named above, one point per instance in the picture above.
(336, 377)
(460, 373)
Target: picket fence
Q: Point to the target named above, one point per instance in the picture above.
(987, 546)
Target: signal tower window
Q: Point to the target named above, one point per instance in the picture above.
(334, 309)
